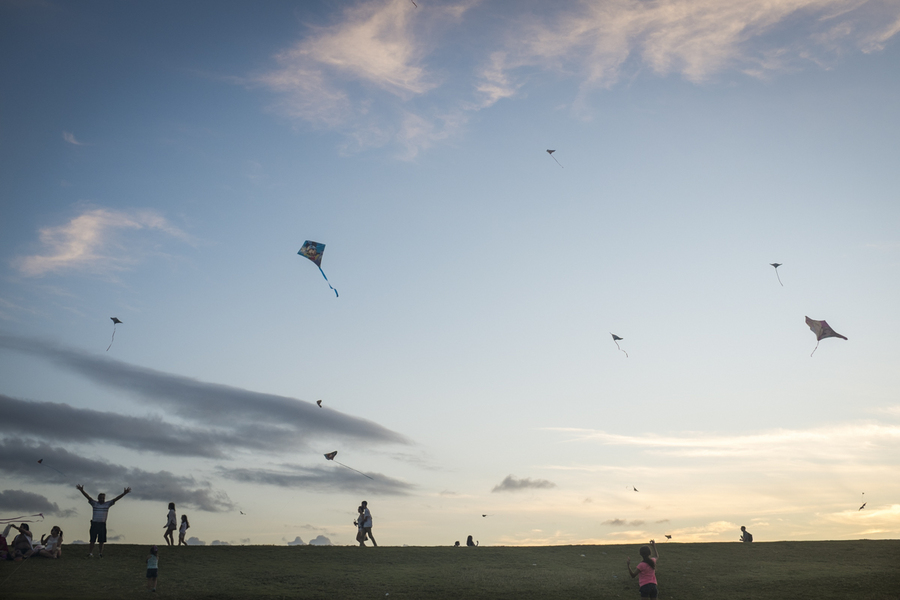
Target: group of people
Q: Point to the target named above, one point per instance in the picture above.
(172, 524)
(23, 545)
(469, 542)
(363, 524)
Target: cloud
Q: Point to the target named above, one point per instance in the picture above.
(62, 422)
(29, 502)
(297, 542)
(249, 416)
(195, 541)
(511, 484)
(319, 479)
(219, 543)
(376, 72)
(90, 243)
(18, 458)
(622, 522)
(70, 137)
(320, 541)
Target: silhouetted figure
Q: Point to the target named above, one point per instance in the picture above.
(746, 536)
(470, 543)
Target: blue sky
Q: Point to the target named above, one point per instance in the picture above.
(164, 163)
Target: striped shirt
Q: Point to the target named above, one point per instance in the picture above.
(101, 510)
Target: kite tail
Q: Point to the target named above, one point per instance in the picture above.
(112, 339)
(329, 285)
(620, 348)
(814, 349)
(779, 277)
(352, 469)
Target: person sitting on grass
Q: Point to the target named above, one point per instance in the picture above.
(152, 568)
(51, 545)
(22, 544)
(470, 543)
(183, 530)
(646, 571)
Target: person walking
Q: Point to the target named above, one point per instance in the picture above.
(646, 571)
(183, 530)
(98, 517)
(152, 568)
(367, 522)
(171, 525)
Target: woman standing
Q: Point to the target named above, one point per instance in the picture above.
(171, 525)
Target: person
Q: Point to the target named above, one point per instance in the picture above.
(22, 545)
(4, 547)
(51, 546)
(646, 571)
(98, 517)
(746, 536)
(171, 525)
(456, 545)
(360, 534)
(183, 530)
(367, 522)
(152, 568)
(470, 543)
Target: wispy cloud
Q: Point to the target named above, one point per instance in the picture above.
(70, 137)
(512, 484)
(376, 73)
(29, 502)
(243, 413)
(18, 459)
(90, 242)
(320, 479)
(623, 522)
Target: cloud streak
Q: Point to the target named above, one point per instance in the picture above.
(320, 479)
(90, 243)
(22, 501)
(70, 138)
(18, 459)
(247, 414)
(513, 484)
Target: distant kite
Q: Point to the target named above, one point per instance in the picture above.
(616, 340)
(822, 330)
(313, 251)
(319, 402)
(41, 462)
(115, 322)
(331, 455)
(550, 152)
(414, 4)
(668, 537)
(634, 488)
(863, 504)
(487, 515)
(776, 265)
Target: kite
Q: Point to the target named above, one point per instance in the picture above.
(313, 251)
(41, 462)
(487, 515)
(22, 519)
(417, 6)
(863, 504)
(331, 455)
(668, 537)
(616, 340)
(319, 402)
(550, 152)
(632, 487)
(115, 322)
(776, 265)
(822, 330)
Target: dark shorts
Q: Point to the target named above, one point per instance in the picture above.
(649, 590)
(151, 573)
(98, 532)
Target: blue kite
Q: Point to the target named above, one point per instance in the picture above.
(313, 251)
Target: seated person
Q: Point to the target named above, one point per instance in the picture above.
(470, 543)
(22, 544)
(51, 545)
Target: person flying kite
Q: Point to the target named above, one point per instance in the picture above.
(616, 341)
(115, 322)
(822, 330)
(550, 152)
(331, 455)
(776, 265)
(313, 251)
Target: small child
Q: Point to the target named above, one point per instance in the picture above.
(152, 568)
(646, 571)
(183, 530)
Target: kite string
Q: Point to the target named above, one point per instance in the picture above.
(352, 469)
(814, 349)
(112, 339)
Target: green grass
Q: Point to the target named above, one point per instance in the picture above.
(867, 570)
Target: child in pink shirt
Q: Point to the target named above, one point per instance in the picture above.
(646, 571)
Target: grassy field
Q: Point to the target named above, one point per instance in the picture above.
(867, 570)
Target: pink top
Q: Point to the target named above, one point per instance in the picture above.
(645, 573)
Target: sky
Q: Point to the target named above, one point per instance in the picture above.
(163, 163)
